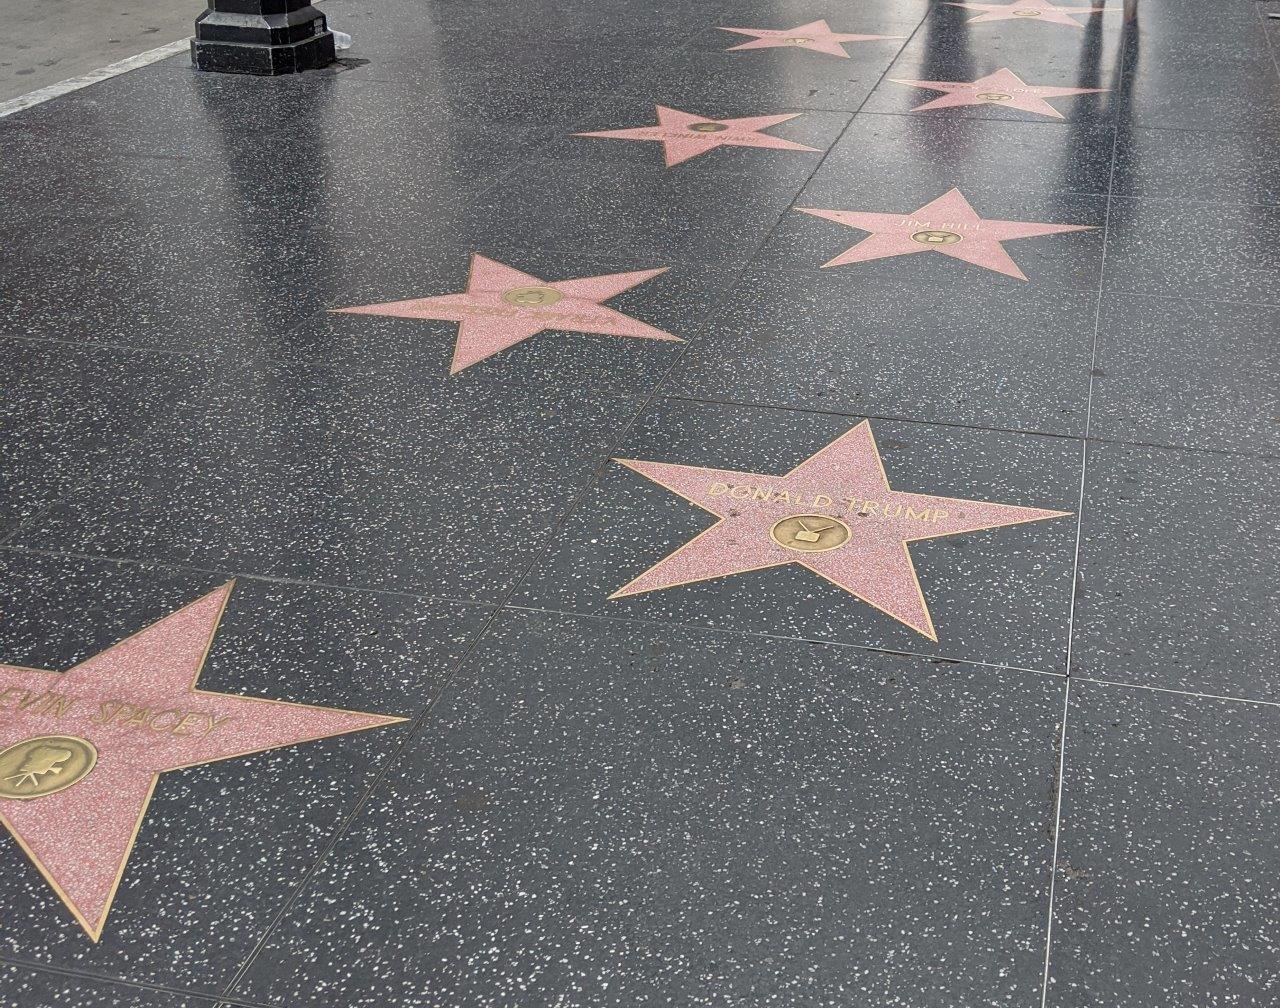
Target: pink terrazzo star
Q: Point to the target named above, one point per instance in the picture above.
(833, 514)
(502, 307)
(136, 704)
(684, 135)
(815, 36)
(1028, 10)
(1004, 88)
(948, 225)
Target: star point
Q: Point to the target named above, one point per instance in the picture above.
(503, 306)
(816, 36)
(1029, 10)
(948, 225)
(81, 750)
(834, 514)
(684, 135)
(1003, 87)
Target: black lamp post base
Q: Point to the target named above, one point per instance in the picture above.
(265, 37)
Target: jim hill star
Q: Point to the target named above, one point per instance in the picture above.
(1028, 10)
(1004, 88)
(81, 750)
(833, 514)
(503, 306)
(684, 135)
(947, 224)
(815, 36)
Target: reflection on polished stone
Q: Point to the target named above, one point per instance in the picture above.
(947, 224)
(853, 529)
(683, 730)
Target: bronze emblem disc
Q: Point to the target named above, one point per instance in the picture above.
(810, 533)
(799, 40)
(1027, 13)
(935, 237)
(707, 127)
(40, 766)
(994, 96)
(532, 297)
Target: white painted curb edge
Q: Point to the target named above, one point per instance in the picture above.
(105, 73)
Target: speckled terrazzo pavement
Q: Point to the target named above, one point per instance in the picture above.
(656, 812)
(969, 700)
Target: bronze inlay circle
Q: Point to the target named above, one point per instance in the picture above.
(810, 533)
(935, 237)
(41, 766)
(532, 297)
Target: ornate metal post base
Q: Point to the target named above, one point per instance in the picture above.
(261, 37)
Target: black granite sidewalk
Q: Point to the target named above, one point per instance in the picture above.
(925, 651)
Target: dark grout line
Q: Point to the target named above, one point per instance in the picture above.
(1197, 298)
(1221, 697)
(1175, 200)
(1088, 417)
(243, 575)
(1059, 788)
(310, 585)
(1075, 574)
(103, 980)
(1184, 449)
(888, 417)
(1028, 432)
(701, 628)
(1192, 298)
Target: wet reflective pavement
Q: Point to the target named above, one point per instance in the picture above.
(596, 504)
